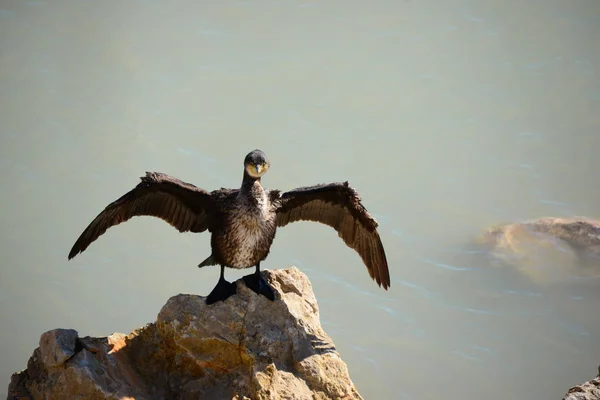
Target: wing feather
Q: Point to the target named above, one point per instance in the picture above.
(339, 206)
(182, 205)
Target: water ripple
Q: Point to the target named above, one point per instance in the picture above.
(420, 289)
(522, 292)
(466, 356)
(483, 349)
(445, 266)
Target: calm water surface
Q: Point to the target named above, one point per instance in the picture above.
(446, 116)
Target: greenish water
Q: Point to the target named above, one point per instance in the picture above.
(447, 117)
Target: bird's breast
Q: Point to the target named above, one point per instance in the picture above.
(248, 236)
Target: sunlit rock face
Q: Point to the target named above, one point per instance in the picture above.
(247, 347)
(589, 390)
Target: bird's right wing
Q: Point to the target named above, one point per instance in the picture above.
(183, 205)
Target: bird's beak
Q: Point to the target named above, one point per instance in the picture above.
(259, 169)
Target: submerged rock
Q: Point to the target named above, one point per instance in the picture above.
(589, 390)
(244, 348)
(547, 250)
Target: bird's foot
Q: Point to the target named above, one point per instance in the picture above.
(259, 285)
(221, 292)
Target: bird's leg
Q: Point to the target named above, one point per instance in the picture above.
(258, 284)
(222, 291)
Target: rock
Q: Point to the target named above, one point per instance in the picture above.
(244, 348)
(578, 234)
(565, 247)
(589, 390)
(57, 346)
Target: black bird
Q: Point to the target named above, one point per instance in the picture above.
(243, 221)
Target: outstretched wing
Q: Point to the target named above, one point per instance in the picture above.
(338, 205)
(183, 205)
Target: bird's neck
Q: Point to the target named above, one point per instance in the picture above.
(250, 184)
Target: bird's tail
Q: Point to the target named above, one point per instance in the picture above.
(209, 261)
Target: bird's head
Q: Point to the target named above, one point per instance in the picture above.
(256, 164)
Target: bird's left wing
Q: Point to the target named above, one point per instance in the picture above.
(338, 205)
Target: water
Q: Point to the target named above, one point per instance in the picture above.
(447, 117)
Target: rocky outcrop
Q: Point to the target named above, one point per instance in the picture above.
(589, 390)
(244, 348)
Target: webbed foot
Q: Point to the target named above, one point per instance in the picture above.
(259, 285)
(221, 292)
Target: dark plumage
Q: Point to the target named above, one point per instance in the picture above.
(243, 221)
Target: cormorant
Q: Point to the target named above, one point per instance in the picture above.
(243, 221)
